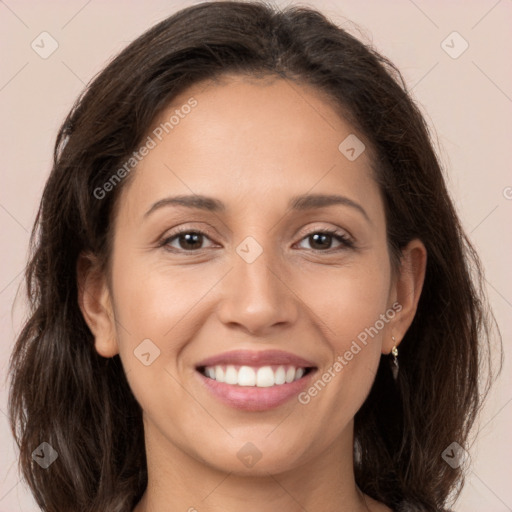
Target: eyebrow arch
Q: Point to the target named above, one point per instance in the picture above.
(310, 201)
(191, 201)
(298, 203)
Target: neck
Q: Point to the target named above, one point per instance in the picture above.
(178, 481)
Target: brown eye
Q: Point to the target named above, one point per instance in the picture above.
(322, 240)
(188, 241)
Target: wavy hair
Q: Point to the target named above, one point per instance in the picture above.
(64, 393)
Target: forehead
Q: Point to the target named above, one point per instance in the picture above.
(242, 138)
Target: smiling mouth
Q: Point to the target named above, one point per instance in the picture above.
(249, 376)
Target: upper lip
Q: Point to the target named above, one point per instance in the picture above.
(256, 358)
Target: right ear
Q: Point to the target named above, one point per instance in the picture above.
(96, 305)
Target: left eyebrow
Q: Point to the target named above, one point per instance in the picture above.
(310, 201)
(298, 203)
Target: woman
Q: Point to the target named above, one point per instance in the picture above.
(249, 286)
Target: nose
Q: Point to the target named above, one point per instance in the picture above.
(258, 297)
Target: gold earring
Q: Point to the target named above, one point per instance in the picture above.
(394, 365)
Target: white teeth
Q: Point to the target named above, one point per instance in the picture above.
(280, 375)
(231, 376)
(219, 374)
(263, 377)
(290, 375)
(246, 376)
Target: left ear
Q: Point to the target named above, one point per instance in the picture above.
(407, 290)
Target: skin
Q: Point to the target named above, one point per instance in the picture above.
(253, 144)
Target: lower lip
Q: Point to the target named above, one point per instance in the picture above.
(252, 398)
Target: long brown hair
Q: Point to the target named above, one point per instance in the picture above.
(64, 393)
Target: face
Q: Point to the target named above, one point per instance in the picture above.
(256, 285)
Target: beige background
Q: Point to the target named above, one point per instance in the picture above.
(467, 99)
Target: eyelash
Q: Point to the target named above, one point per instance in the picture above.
(346, 242)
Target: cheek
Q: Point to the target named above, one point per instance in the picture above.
(151, 308)
(352, 305)
(353, 331)
(159, 309)
(348, 300)
(147, 310)
(149, 300)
